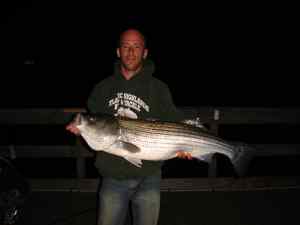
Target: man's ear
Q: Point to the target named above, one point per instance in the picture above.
(118, 52)
(145, 53)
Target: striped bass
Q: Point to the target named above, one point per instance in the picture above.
(136, 140)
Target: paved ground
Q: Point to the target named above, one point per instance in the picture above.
(177, 208)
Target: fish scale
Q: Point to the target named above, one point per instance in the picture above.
(167, 132)
(136, 140)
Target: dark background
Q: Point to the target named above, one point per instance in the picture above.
(243, 55)
(224, 55)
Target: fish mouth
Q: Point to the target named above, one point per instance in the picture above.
(78, 119)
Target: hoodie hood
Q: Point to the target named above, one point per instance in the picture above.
(145, 73)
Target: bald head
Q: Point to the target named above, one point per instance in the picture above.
(132, 52)
(132, 34)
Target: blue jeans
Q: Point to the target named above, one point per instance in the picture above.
(115, 195)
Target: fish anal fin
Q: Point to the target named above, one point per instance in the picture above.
(135, 161)
(204, 157)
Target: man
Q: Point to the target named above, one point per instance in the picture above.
(132, 92)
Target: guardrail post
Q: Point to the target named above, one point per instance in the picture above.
(80, 162)
(212, 167)
(214, 126)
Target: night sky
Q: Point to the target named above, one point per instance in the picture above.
(209, 56)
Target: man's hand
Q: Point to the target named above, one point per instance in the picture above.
(184, 155)
(73, 129)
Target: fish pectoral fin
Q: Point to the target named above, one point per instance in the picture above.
(125, 146)
(135, 161)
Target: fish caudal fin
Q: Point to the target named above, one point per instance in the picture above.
(243, 158)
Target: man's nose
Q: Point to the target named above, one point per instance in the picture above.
(131, 50)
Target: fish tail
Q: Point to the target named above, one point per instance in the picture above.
(243, 158)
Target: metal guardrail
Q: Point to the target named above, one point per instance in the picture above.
(213, 116)
(221, 115)
(178, 184)
(72, 151)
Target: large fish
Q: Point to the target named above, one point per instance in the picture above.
(136, 140)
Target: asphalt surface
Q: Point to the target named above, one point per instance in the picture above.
(177, 208)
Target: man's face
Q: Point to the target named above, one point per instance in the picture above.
(132, 50)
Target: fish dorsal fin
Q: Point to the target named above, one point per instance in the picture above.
(194, 122)
(125, 146)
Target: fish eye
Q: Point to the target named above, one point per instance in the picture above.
(92, 119)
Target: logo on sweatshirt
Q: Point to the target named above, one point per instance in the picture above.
(126, 104)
